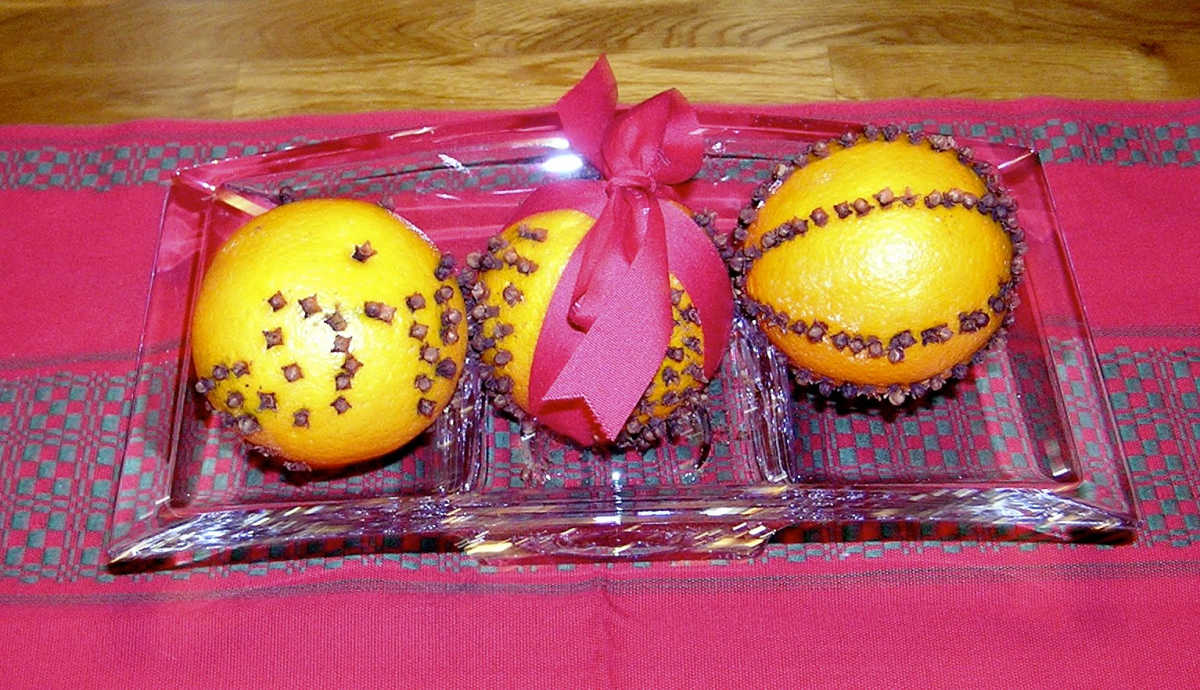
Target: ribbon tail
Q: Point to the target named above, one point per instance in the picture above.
(695, 263)
(586, 384)
(608, 250)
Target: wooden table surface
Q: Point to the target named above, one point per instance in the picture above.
(85, 61)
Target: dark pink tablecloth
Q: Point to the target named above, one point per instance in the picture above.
(78, 217)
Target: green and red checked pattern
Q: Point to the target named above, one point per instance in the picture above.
(1055, 140)
(216, 475)
(945, 438)
(1156, 402)
(118, 165)
(60, 437)
(384, 182)
(61, 434)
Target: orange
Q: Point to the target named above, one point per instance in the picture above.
(328, 332)
(526, 262)
(901, 274)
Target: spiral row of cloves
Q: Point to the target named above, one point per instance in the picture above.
(741, 254)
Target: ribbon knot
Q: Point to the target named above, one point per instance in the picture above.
(609, 321)
(637, 181)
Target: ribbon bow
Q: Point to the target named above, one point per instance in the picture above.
(609, 321)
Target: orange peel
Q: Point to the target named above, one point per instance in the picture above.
(328, 332)
(509, 287)
(881, 265)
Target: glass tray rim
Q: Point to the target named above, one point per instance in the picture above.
(759, 496)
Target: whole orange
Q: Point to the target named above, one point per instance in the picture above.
(328, 332)
(516, 278)
(881, 264)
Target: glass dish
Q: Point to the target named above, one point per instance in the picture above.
(1023, 448)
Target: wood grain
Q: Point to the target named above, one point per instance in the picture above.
(89, 61)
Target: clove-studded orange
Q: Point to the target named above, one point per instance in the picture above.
(328, 332)
(881, 264)
(515, 279)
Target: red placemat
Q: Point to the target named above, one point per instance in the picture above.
(78, 217)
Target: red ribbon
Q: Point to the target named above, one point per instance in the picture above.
(609, 321)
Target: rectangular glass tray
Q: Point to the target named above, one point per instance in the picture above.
(1023, 448)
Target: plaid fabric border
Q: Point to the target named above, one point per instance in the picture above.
(60, 438)
(60, 435)
(1156, 402)
(121, 165)
(1056, 141)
